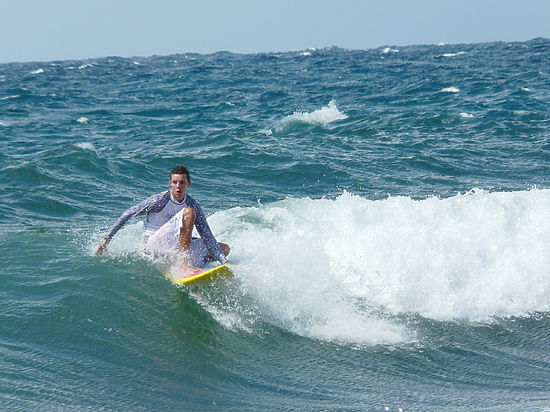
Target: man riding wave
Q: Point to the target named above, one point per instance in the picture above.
(169, 220)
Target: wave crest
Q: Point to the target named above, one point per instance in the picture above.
(349, 269)
(323, 116)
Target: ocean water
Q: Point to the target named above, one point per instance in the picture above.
(388, 212)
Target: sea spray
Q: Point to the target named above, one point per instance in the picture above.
(341, 269)
(322, 117)
(475, 256)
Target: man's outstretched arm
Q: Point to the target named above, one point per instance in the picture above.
(102, 246)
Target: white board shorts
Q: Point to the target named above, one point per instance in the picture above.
(164, 242)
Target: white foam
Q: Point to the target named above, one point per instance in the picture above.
(452, 54)
(526, 89)
(37, 71)
(284, 269)
(128, 241)
(387, 50)
(340, 269)
(83, 120)
(85, 66)
(14, 96)
(450, 90)
(85, 146)
(321, 116)
(352, 270)
(466, 115)
(305, 54)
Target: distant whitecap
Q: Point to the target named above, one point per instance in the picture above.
(83, 120)
(453, 54)
(450, 90)
(387, 50)
(466, 115)
(85, 146)
(526, 89)
(37, 71)
(85, 66)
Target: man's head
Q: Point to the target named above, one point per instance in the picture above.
(179, 182)
(181, 170)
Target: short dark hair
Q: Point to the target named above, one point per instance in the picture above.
(180, 170)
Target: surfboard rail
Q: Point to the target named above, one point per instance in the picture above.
(207, 275)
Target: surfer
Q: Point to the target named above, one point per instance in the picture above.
(169, 220)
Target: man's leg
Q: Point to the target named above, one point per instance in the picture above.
(186, 230)
(184, 241)
(196, 253)
(175, 236)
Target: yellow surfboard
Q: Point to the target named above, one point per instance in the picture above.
(201, 277)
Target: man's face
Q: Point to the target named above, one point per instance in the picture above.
(179, 185)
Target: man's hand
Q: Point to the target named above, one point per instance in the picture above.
(101, 248)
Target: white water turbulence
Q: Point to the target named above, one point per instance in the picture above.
(351, 269)
(321, 116)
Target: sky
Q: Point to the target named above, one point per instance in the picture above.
(46, 30)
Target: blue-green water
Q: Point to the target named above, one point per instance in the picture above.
(388, 212)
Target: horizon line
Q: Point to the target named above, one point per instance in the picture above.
(82, 59)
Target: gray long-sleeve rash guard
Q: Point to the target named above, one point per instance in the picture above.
(155, 203)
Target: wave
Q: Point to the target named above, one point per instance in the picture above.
(321, 116)
(351, 269)
(335, 269)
